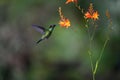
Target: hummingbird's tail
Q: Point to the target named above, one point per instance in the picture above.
(39, 41)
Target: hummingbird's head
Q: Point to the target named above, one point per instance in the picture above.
(52, 26)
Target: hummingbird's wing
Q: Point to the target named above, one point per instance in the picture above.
(39, 29)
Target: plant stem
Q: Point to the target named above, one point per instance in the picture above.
(92, 66)
(101, 53)
(93, 33)
(90, 55)
(89, 37)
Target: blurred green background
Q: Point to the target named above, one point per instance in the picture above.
(64, 55)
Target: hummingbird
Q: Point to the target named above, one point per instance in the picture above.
(46, 33)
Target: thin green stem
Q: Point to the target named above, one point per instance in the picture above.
(92, 66)
(103, 48)
(93, 33)
(101, 53)
(90, 55)
(89, 37)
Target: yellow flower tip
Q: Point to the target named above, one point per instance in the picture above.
(60, 12)
(64, 23)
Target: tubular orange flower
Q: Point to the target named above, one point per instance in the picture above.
(91, 14)
(88, 15)
(95, 15)
(64, 22)
(69, 1)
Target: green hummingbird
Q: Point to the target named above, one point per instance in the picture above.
(46, 33)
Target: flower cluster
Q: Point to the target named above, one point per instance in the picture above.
(64, 22)
(90, 14)
(93, 15)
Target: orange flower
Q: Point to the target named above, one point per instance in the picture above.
(91, 14)
(69, 1)
(88, 15)
(64, 22)
(95, 15)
